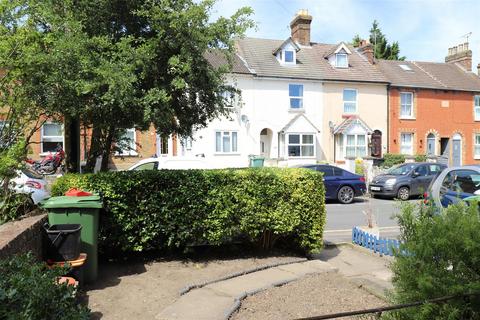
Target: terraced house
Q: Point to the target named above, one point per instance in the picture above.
(302, 102)
(434, 108)
(306, 102)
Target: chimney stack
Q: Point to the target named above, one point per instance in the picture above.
(478, 69)
(300, 27)
(461, 55)
(366, 49)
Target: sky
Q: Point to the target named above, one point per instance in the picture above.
(425, 29)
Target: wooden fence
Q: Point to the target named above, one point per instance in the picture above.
(377, 244)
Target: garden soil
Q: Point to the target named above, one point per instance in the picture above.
(133, 289)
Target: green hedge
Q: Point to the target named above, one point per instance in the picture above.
(391, 159)
(170, 209)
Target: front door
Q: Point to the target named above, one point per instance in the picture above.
(457, 153)
(377, 144)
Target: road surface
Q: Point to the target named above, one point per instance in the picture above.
(341, 218)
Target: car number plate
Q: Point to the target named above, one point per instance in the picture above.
(375, 188)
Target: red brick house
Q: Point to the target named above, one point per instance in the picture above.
(434, 108)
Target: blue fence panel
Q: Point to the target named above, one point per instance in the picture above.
(376, 244)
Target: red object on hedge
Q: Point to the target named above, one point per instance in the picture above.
(74, 192)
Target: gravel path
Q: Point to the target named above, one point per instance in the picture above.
(138, 290)
(312, 296)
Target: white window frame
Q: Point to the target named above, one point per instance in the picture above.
(355, 145)
(44, 138)
(160, 142)
(434, 143)
(476, 107)
(223, 134)
(130, 152)
(411, 115)
(300, 144)
(350, 101)
(295, 97)
(337, 65)
(410, 146)
(284, 55)
(476, 146)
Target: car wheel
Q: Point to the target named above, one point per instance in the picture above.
(345, 195)
(403, 193)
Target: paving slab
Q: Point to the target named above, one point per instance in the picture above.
(200, 304)
(309, 267)
(253, 282)
(217, 300)
(361, 266)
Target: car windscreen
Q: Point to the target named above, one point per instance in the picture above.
(31, 174)
(401, 170)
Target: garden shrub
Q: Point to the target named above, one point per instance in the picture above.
(28, 291)
(420, 158)
(391, 159)
(441, 257)
(359, 167)
(170, 209)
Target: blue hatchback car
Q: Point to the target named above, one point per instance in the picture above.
(340, 184)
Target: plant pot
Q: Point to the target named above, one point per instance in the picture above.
(374, 231)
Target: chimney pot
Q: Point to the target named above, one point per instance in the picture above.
(300, 27)
(460, 54)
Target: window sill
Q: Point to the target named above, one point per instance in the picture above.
(349, 114)
(476, 157)
(407, 118)
(121, 155)
(294, 158)
(226, 154)
(299, 110)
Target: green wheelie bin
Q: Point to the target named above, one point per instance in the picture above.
(79, 210)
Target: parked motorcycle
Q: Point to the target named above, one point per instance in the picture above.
(49, 164)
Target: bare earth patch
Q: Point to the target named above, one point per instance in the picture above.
(312, 296)
(137, 290)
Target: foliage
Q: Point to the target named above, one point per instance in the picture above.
(12, 204)
(28, 291)
(382, 49)
(420, 158)
(443, 254)
(359, 166)
(171, 209)
(391, 159)
(117, 64)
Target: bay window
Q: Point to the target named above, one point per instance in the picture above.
(301, 145)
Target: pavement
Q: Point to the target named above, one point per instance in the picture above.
(218, 299)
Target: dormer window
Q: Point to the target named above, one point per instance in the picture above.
(338, 56)
(341, 60)
(289, 56)
(286, 54)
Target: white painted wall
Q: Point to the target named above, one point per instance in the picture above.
(266, 104)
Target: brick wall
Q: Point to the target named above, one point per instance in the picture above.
(444, 113)
(22, 236)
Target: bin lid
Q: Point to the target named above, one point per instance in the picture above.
(72, 202)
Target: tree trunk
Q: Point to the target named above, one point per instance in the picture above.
(107, 148)
(95, 149)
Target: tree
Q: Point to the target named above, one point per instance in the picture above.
(382, 49)
(118, 64)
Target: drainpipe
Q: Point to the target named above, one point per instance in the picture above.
(388, 120)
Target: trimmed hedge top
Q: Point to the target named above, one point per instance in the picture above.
(168, 209)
